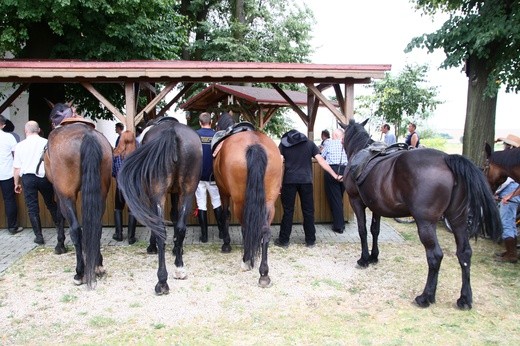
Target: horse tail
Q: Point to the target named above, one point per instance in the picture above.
(92, 204)
(255, 211)
(145, 177)
(483, 211)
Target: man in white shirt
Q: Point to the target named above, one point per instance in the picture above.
(7, 144)
(389, 138)
(29, 172)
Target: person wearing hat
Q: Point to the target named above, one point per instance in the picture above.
(298, 151)
(507, 194)
(509, 141)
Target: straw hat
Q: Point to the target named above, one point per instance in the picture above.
(511, 140)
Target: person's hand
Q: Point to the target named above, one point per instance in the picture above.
(18, 188)
(339, 177)
(506, 198)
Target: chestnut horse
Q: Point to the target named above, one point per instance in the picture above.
(501, 164)
(169, 161)
(426, 184)
(80, 158)
(248, 173)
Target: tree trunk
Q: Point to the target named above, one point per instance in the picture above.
(480, 112)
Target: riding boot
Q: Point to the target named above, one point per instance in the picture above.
(132, 222)
(37, 229)
(118, 219)
(219, 215)
(203, 222)
(511, 254)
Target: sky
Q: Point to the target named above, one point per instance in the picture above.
(377, 32)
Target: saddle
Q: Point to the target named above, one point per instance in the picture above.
(365, 160)
(221, 135)
(77, 119)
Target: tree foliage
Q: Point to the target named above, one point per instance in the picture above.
(485, 37)
(119, 30)
(401, 99)
(489, 30)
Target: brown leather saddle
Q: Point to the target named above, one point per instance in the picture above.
(220, 136)
(365, 160)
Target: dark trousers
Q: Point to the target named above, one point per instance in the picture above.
(31, 186)
(11, 209)
(334, 190)
(288, 197)
(119, 203)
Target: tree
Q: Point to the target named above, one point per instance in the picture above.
(401, 99)
(249, 30)
(88, 30)
(485, 37)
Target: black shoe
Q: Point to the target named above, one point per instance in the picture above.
(339, 231)
(39, 240)
(310, 245)
(277, 242)
(15, 230)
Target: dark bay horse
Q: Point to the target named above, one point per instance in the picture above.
(248, 172)
(170, 160)
(79, 158)
(426, 184)
(501, 164)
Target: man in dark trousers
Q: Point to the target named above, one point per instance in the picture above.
(298, 151)
(207, 183)
(335, 156)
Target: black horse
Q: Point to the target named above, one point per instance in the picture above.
(426, 184)
(170, 161)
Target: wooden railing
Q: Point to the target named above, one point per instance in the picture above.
(322, 212)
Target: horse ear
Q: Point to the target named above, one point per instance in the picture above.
(487, 148)
(51, 105)
(365, 122)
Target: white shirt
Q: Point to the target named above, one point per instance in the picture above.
(28, 153)
(7, 144)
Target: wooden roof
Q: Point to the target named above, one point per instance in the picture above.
(216, 93)
(74, 71)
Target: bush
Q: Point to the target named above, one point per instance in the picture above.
(434, 143)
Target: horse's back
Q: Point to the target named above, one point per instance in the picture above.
(230, 166)
(407, 182)
(63, 156)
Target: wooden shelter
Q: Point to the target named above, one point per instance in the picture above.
(179, 76)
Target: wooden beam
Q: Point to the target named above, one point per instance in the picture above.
(183, 91)
(130, 98)
(269, 114)
(104, 102)
(349, 101)
(341, 99)
(294, 107)
(155, 101)
(341, 117)
(13, 96)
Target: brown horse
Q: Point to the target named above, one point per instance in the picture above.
(170, 160)
(248, 172)
(501, 164)
(426, 184)
(80, 158)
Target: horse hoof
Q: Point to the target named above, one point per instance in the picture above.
(463, 304)
(60, 249)
(78, 280)
(245, 266)
(161, 289)
(362, 264)
(422, 302)
(226, 248)
(372, 260)
(100, 271)
(264, 281)
(180, 273)
(151, 250)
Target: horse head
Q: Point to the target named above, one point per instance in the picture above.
(61, 111)
(499, 165)
(225, 121)
(356, 137)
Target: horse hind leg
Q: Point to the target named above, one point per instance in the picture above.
(434, 255)
(464, 253)
(264, 280)
(375, 228)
